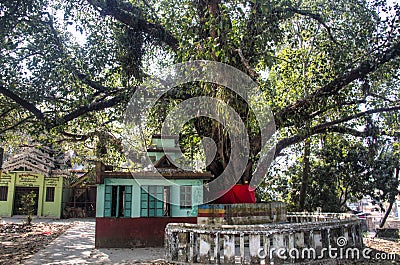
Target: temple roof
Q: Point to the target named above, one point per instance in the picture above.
(37, 161)
(165, 169)
(165, 162)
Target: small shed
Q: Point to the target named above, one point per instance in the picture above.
(80, 195)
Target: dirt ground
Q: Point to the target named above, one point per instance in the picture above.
(19, 242)
(384, 251)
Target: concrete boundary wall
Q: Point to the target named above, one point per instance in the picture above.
(255, 244)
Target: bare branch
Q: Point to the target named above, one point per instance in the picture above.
(349, 103)
(94, 106)
(4, 113)
(357, 115)
(382, 97)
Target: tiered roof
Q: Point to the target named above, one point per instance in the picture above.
(38, 161)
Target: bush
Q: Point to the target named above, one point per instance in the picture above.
(28, 205)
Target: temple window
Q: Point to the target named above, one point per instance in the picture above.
(50, 194)
(3, 193)
(185, 197)
(155, 201)
(118, 201)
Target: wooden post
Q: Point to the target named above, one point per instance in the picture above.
(267, 248)
(1, 156)
(182, 247)
(100, 168)
(192, 246)
(292, 245)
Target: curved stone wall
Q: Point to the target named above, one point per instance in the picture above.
(242, 214)
(305, 238)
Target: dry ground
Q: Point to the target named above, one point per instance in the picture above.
(383, 248)
(19, 242)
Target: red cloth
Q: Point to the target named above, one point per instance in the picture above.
(237, 194)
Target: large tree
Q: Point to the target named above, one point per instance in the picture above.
(70, 67)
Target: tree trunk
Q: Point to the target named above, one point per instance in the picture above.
(1, 157)
(306, 174)
(389, 209)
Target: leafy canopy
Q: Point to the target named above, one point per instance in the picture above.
(325, 67)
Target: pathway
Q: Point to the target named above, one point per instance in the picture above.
(76, 246)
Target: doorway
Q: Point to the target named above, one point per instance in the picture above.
(19, 191)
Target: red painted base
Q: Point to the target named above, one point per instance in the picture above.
(134, 232)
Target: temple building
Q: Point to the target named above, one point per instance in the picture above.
(33, 170)
(133, 208)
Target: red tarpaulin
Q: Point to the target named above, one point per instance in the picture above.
(237, 194)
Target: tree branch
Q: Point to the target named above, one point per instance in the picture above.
(357, 115)
(95, 85)
(349, 103)
(382, 97)
(4, 113)
(246, 64)
(22, 121)
(132, 16)
(303, 107)
(329, 127)
(314, 16)
(22, 102)
(94, 106)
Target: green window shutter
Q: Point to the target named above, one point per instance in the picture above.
(160, 201)
(152, 205)
(152, 201)
(152, 213)
(107, 201)
(144, 202)
(117, 202)
(160, 208)
(128, 201)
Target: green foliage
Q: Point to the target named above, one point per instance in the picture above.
(342, 170)
(69, 68)
(28, 205)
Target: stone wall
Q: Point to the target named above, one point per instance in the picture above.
(303, 217)
(266, 243)
(242, 214)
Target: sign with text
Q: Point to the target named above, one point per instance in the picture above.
(5, 180)
(28, 180)
(52, 181)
